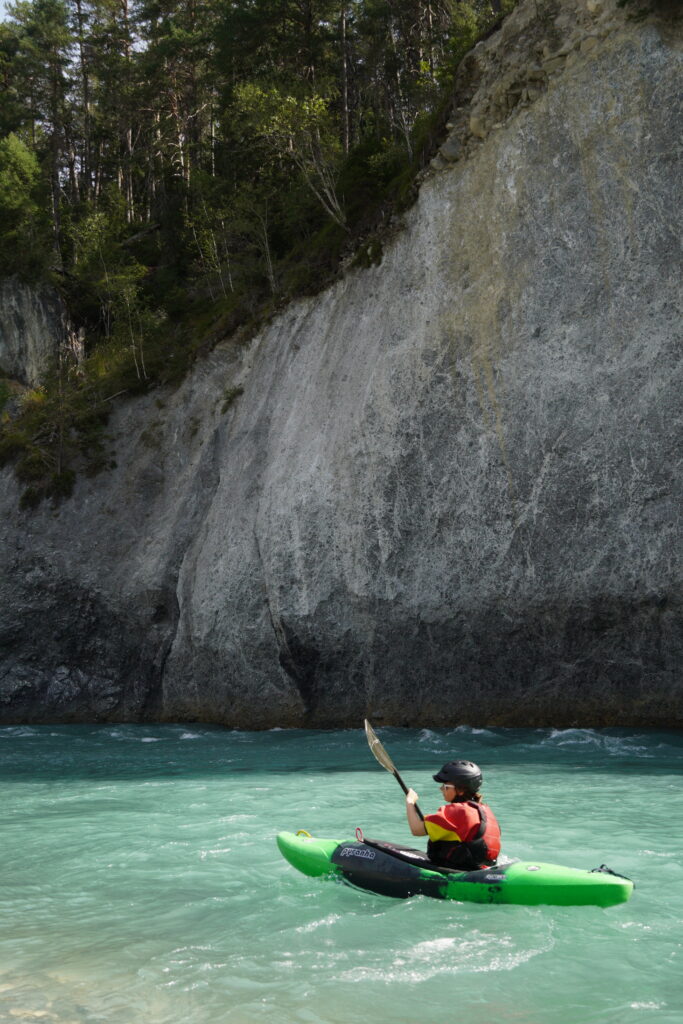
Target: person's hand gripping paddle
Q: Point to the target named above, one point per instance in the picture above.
(381, 755)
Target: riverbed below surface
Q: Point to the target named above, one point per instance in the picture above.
(141, 881)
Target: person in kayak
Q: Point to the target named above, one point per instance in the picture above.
(463, 833)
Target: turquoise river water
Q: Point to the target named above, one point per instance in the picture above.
(141, 883)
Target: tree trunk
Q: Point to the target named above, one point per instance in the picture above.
(345, 119)
(86, 160)
(55, 164)
(127, 132)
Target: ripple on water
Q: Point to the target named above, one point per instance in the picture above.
(473, 952)
(470, 730)
(19, 732)
(324, 922)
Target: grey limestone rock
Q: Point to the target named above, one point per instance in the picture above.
(451, 150)
(32, 327)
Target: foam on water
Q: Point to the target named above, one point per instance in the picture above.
(141, 882)
(610, 744)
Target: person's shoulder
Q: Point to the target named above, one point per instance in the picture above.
(454, 811)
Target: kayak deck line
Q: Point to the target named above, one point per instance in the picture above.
(399, 871)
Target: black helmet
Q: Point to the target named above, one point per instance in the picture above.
(464, 774)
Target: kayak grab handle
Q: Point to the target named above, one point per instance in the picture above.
(303, 832)
(604, 870)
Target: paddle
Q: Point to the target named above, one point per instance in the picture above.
(386, 762)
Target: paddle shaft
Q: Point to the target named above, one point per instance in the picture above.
(405, 790)
(381, 756)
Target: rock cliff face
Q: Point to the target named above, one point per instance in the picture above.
(449, 489)
(32, 327)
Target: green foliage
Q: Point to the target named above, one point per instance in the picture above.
(22, 223)
(300, 130)
(43, 439)
(466, 27)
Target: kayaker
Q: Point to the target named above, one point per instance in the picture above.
(463, 833)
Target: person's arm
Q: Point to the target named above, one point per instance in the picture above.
(415, 823)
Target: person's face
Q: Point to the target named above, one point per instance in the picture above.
(448, 790)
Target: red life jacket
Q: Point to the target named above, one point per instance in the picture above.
(477, 829)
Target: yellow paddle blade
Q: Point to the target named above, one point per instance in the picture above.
(377, 749)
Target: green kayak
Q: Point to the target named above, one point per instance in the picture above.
(392, 870)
